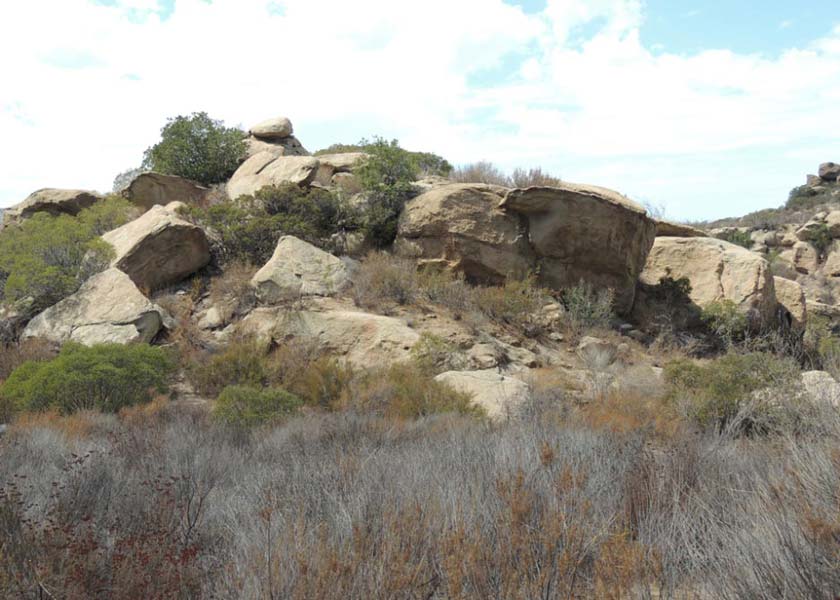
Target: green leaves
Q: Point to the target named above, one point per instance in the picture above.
(198, 148)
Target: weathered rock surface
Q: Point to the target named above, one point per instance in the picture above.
(265, 169)
(461, 227)
(333, 164)
(51, 201)
(108, 308)
(831, 266)
(829, 172)
(289, 146)
(297, 269)
(803, 256)
(717, 271)
(791, 297)
(363, 339)
(500, 396)
(585, 233)
(159, 248)
(670, 229)
(272, 129)
(150, 189)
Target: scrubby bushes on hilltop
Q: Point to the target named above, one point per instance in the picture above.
(198, 148)
(487, 172)
(47, 258)
(106, 378)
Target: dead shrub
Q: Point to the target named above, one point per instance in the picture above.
(15, 354)
(231, 293)
(515, 303)
(480, 172)
(522, 178)
(383, 280)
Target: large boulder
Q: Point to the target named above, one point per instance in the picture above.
(289, 146)
(717, 270)
(460, 226)
(297, 269)
(585, 233)
(791, 298)
(671, 229)
(265, 169)
(829, 172)
(159, 248)
(333, 164)
(363, 339)
(51, 201)
(272, 129)
(150, 189)
(500, 396)
(803, 256)
(108, 308)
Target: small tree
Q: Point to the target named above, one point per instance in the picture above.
(198, 148)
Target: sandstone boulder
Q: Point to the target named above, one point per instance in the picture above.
(791, 298)
(803, 256)
(717, 270)
(108, 308)
(831, 266)
(159, 248)
(332, 164)
(832, 221)
(289, 146)
(585, 233)
(297, 269)
(363, 339)
(670, 229)
(265, 169)
(829, 172)
(150, 189)
(51, 201)
(500, 396)
(272, 129)
(460, 226)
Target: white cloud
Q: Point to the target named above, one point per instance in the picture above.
(607, 110)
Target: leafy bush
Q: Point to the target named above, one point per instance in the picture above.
(242, 363)
(47, 258)
(725, 320)
(730, 388)
(737, 237)
(198, 148)
(804, 197)
(249, 406)
(480, 172)
(821, 239)
(587, 308)
(105, 377)
(427, 163)
(323, 383)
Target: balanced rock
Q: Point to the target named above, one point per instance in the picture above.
(363, 339)
(791, 298)
(159, 248)
(108, 308)
(272, 129)
(150, 189)
(461, 227)
(829, 172)
(297, 269)
(499, 395)
(717, 271)
(53, 202)
(266, 169)
(671, 229)
(585, 233)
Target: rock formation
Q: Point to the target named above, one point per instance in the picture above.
(266, 169)
(499, 395)
(150, 189)
(275, 136)
(51, 201)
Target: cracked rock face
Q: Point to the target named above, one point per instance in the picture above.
(717, 271)
(108, 308)
(267, 168)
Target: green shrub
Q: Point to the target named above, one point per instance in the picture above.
(821, 239)
(198, 148)
(107, 377)
(433, 354)
(426, 163)
(250, 406)
(47, 258)
(717, 393)
(725, 320)
(804, 197)
(241, 363)
(737, 237)
(587, 308)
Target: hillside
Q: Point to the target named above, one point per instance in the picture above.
(255, 371)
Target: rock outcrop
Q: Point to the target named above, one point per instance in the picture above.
(670, 229)
(159, 248)
(717, 271)
(460, 226)
(337, 169)
(275, 136)
(585, 233)
(51, 201)
(108, 308)
(297, 269)
(151, 189)
(500, 396)
(266, 169)
(791, 298)
(363, 339)
(829, 172)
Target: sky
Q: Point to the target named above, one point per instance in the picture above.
(704, 109)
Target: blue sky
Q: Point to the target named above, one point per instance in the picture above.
(707, 109)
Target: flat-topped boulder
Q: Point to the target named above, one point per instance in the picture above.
(159, 248)
(108, 308)
(585, 233)
(297, 269)
(150, 189)
(461, 227)
(717, 271)
(52, 201)
(266, 169)
(671, 229)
